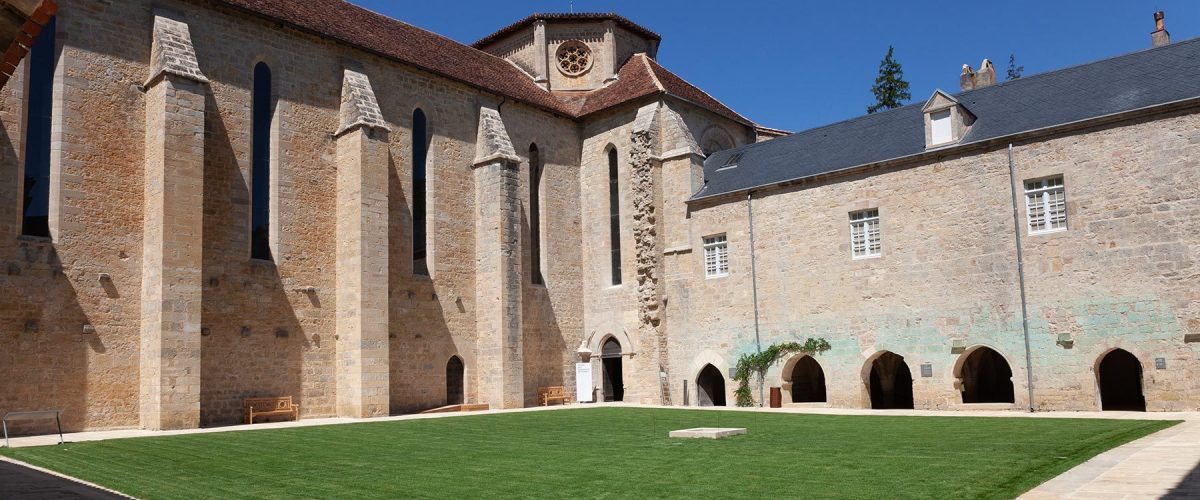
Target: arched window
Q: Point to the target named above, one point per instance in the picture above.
(39, 109)
(614, 216)
(420, 153)
(260, 167)
(535, 214)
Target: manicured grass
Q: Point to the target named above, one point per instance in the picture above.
(602, 453)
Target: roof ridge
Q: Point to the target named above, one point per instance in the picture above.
(650, 70)
(654, 64)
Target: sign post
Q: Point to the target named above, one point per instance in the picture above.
(583, 382)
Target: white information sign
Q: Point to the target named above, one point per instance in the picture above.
(583, 382)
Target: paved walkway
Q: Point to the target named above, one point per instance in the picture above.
(1163, 465)
(18, 482)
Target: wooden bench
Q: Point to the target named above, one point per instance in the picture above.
(557, 393)
(270, 407)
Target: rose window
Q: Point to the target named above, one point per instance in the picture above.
(574, 58)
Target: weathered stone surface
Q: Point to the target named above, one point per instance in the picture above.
(172, 51)
(359, 107)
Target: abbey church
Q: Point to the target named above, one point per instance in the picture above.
(215, 200)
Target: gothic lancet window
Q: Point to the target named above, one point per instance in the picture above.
(36, 206)
(535, 214)
(614, 216)
(420, 153)
(260, 168)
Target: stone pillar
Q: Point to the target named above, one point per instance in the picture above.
(362, 252)
(498, 270)
(610, 63)
(542, 71)
(172, 232)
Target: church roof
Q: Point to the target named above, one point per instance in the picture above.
(642, 76)
(1144, 79)
(562, 16)
(389, 38)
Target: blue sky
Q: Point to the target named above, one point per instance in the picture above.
(800, 64)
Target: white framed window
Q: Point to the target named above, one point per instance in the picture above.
(1046, 205)
(716, 256)
(939, 125)
(865, 240)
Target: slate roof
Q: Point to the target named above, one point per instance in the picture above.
(376, 33)
(562, 16)
(1124, 83)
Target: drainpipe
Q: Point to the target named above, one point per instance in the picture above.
(754, 286)
(1012, 178)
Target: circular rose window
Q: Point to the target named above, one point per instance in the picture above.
(574, 58)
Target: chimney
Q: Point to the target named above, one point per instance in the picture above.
(1159, 36)
(986, 76)
(966, 79)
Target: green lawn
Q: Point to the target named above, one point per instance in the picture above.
(602, 452)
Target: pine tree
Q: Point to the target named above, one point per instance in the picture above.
(890, 89)
(1014, 71)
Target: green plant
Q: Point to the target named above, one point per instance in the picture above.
(758, 364)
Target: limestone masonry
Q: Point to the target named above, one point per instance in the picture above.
(435, 224)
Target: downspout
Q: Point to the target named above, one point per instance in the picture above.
(1012, 178)
(754, 286)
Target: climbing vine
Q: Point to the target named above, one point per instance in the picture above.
(758, 364)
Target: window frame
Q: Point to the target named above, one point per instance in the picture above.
(719, 245)
(868, 218)
(1043, 190)
(945, 117)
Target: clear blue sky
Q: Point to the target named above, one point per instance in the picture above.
(800, 64)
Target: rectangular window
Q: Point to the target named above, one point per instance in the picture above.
(865, 239)
(716, 256)
(1046, 205)
(614, 217)
(939, 125)
(260, 167)
(39, 108)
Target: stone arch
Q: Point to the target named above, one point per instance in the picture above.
(804, 380)
(888, 381)
(455, 381)
(715, 138)
(1119, 381)
(706, 357)
(612, 368)
(710, 386)
(984, 376)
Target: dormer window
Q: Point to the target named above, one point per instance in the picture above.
(939, 126)
(946, 120)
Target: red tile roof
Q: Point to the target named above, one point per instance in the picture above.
(387, 37)
(642, 76)
(375, 33)
(581, 16)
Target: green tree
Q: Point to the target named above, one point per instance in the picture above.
(890, 89)
(1014, 71)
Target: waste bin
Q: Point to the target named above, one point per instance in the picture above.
(776, 397)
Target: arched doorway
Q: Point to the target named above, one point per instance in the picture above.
(808, 381)
(710, 387)
(613, 380)
(890, 383)
(1120, 375)
(454, 381)
(986, 377)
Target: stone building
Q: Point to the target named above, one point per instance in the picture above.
(219, 199)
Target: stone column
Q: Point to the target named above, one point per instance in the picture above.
(362, 252)
(172, 232)
(498, 273)
(542, 71)
(645, 184)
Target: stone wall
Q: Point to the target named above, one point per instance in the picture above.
(1120, 276)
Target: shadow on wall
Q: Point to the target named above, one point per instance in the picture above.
(252, 343)
(544, 350)
(420, 343)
